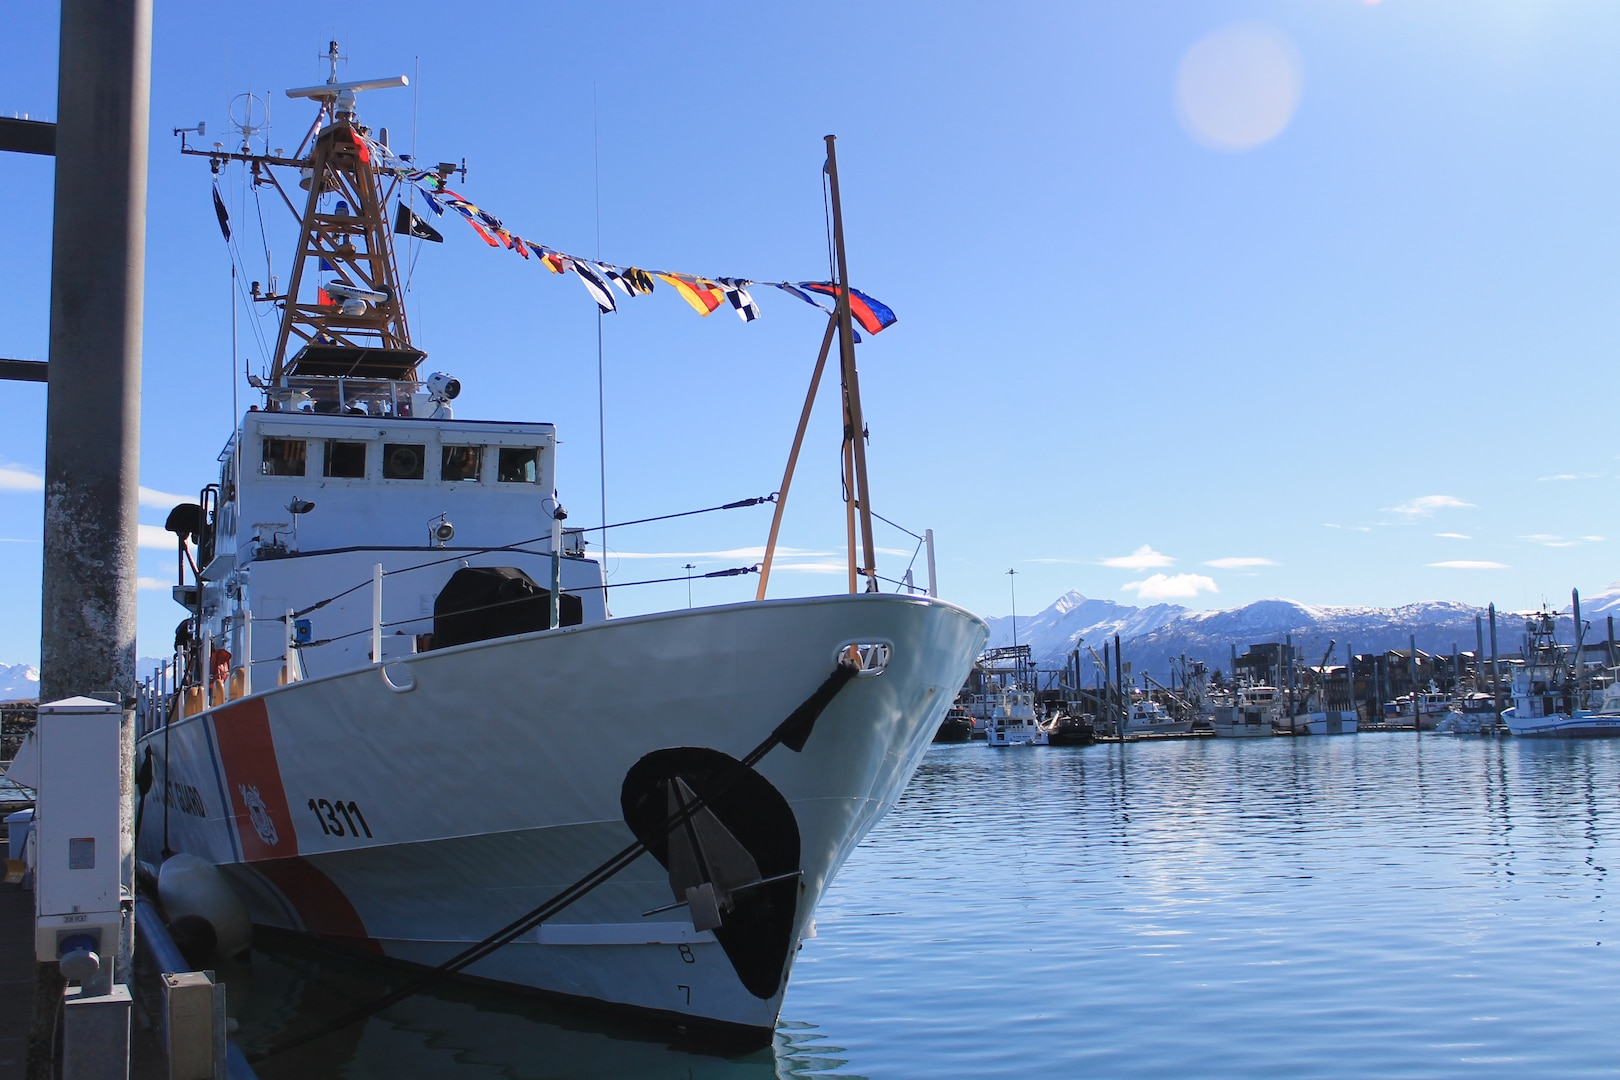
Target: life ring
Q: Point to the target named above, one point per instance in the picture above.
(405, 461)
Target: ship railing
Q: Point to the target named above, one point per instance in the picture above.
(348, 394)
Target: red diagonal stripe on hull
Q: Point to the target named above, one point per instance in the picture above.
(325, 909)
(258, 803)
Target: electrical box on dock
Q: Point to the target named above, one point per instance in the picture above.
(81, 845)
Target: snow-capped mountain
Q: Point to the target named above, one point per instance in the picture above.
(19, 682)
(1054, 631)
(1151, 637)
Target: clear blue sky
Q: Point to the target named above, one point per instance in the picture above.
(1205, 301)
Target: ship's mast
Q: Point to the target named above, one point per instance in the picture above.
(353, 323)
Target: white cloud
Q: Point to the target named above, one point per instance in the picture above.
(1469, 564)
(156, 536)
(15, 479)
(162, 500)
(1454, 536)
(1143, 558)
(1424, 505)
(19, 540)
(1549, 540)
(158, 584)
(1238, 562)
(1171, 587)
(1570, 476)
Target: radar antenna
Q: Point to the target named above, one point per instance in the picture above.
(339, 96)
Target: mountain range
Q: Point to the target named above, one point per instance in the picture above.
(1150, 637)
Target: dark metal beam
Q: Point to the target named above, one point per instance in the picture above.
(92, 412)
(25, 370)
(28, 136)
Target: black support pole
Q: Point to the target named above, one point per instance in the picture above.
(92, 429)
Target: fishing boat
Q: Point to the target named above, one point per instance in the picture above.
(645, 810)
(1552, 696)
(1326, 722)
(1072, 726)
(1149, 717)
(957, 727)
(1471, 714)
(1432, 706)
(1011, 720)
(1250, 713)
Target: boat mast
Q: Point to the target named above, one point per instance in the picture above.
(364, 331)
(854, 426)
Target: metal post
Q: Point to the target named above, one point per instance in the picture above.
(556, 571)
(247, 651)
(291, 671)
(92, 414)
(1288, 678)
(92, 409)
(933, 582)
(1350, 679)
(376, 613)
(1580, 647)
(1119, 685)
(1013, 585)
(206, 672)
(1412, 670)
(1496, 670)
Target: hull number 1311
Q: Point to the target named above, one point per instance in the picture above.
(332, 824)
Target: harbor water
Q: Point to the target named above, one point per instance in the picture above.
(1382, 904)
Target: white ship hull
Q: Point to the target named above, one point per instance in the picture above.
(482, 780)
(1582, 725)
(1017, 735)
(1332, 722)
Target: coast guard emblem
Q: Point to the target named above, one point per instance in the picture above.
(259, 813)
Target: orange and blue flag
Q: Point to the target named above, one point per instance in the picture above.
(873, 315)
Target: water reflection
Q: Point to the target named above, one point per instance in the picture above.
(468, 1031)
(1415, 905)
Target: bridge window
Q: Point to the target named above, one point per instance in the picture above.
(284, 457)
(461, 462)
(518, 465)
(346, 459)
(403, 461)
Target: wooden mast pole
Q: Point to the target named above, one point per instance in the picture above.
(849, 500)
(793, 459)
(854, 425)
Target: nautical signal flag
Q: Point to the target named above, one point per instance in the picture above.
(596, 283)
(704, 296)
(873, 315)
(408, 223)
(224, 218)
